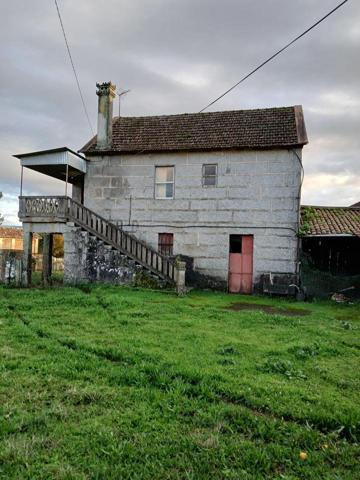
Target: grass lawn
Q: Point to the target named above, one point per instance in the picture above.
(117, 383)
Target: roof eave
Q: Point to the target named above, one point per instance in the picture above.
(184, 150)
(327, 235)
(51, 150)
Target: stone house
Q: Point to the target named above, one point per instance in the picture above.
(11, 240)
(220, 191)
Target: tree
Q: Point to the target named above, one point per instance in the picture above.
(58, 245)
(1, 217)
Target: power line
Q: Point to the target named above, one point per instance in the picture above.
(275, 55)
(73, 67)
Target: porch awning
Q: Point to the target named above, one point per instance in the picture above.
(55, 162)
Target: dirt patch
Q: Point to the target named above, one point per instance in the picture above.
(288, 312)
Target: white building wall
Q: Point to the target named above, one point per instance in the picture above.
(257, 193)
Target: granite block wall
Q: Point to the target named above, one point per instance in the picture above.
(257, 193)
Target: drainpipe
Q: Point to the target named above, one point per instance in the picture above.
(299, 212)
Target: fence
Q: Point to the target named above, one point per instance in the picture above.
(10, 266)
(322, 284)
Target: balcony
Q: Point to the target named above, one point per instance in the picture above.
(50, 209)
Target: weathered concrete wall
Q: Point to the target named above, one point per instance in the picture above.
(257, 193)
(77, 189)
(88, 259)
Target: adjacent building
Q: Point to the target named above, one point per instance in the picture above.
(331, 238)
(11, 240)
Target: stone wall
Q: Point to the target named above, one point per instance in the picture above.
(88, 259)
(257, 193)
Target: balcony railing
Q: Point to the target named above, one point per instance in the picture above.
(45, 207)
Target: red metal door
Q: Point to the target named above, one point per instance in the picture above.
(241, 263)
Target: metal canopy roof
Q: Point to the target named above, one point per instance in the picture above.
(55, 162)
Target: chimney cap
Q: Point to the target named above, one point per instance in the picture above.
(105, 89)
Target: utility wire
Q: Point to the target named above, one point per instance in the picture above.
(275, 55)
(74, 70)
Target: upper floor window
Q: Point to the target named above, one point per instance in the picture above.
(164, 182)
(209, 175)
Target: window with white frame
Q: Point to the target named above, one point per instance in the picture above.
(164, 182)
(209, 175)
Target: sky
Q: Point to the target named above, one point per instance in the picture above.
(176, 56)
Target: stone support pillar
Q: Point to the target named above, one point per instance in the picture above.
(27, 258)
(180, 277)
(47, 258)
(18, 272)
(74, 255)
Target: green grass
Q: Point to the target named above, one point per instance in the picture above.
(116, 383)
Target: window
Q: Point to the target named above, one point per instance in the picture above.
(164, 182)
(235, 243)
(166, 242)
(6, 244)
(209, 175)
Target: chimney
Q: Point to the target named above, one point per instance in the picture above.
(106, 93)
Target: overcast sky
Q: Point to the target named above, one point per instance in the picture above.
(176, 56)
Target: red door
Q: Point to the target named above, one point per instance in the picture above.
(241, 263)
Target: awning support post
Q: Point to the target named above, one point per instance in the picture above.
(21, 180)
(67, 179)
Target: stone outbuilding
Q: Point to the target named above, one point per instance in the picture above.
(331, 238)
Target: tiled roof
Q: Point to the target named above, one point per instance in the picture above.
(11, 232)
(331, 220)
(238, 129)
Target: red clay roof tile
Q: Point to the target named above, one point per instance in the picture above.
(332, 220)
(239, 129)
(11, 232)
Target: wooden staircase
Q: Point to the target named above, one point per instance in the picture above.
(64, 209)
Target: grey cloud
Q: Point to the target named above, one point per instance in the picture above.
(176, 56)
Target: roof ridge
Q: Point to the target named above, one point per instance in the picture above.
(205, 113)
